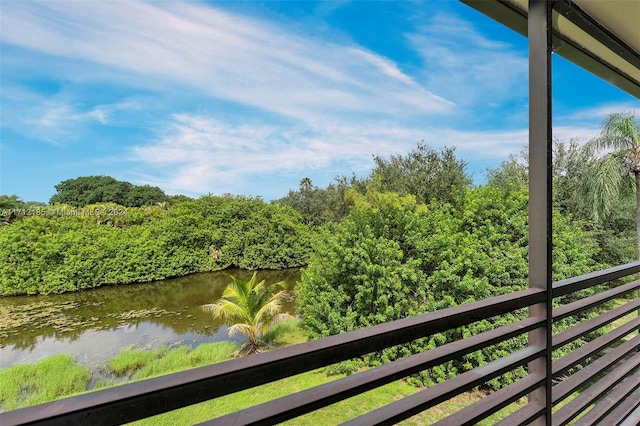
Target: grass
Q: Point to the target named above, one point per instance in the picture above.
(625, 319)
(128, 362)
(286, 333)
(334, 414)
(183, 358)
(29, 384)
(142, 364)
(60, 376)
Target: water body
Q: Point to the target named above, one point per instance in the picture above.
(95, 325)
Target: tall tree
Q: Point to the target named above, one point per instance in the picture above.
(145, 195)
(249, 307)
(86, 190)
(10, 202)
(318, 206)
(616, 174)
(428, 174)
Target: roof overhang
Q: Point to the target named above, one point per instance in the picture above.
(602, 36)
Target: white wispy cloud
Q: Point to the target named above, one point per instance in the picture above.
(60, 119)
(598, 113)
(203, 154)
(258, 98)
(241, 59)
(466, 66)
(58, 122)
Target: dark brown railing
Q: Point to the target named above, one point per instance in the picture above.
(608, 382)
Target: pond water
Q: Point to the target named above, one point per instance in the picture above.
(95, 325)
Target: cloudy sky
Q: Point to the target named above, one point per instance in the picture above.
(250, 97)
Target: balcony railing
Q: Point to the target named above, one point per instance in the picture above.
(605, 389)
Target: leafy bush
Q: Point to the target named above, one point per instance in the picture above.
(393, 257)
(62, 251)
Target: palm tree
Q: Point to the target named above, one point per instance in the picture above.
(249, 308)
(617, 173)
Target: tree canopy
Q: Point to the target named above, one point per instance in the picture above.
(85, 190)
(393, 257)
(10, 202)
(427, 174)
(614, 177)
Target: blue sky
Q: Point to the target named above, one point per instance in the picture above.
(250, 97)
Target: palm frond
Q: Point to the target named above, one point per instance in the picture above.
(249, 307)
(239, 328)
(225, 310)
(603, 184)
(620, 132)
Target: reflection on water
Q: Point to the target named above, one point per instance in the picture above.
(96, 324)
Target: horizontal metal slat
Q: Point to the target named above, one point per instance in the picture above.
(569, 285)
(595, 391)
(568, 361)
(593, 324)
(147, 398)
(623, 411)
(523, 416)
(605, 407)
(306, 401)
(492, 403)
(418, 402)
(569, 385)
(595, 300)
(632, 419)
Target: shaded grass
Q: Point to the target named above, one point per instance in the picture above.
(625, 319)
(29, 384)
(334, 414)
(286, 333)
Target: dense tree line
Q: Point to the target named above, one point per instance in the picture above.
(574, 167)
(407, 248)
(61, 250)
(86, 190)
(427, 174)
(411, 237)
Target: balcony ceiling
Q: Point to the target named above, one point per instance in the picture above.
(601, 36)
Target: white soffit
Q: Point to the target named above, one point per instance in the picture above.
(601, 36)
(620, 17)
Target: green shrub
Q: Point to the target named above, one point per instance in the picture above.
(393, 258)
(59, 253)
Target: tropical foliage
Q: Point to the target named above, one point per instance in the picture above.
(427, 174)
(412, 237)
(615, 175)
(10, 202)
(573, 164)
(250, 308)
(68, 249)
(319, 206)
(393, 257)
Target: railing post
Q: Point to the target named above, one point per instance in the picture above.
(540, 196)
